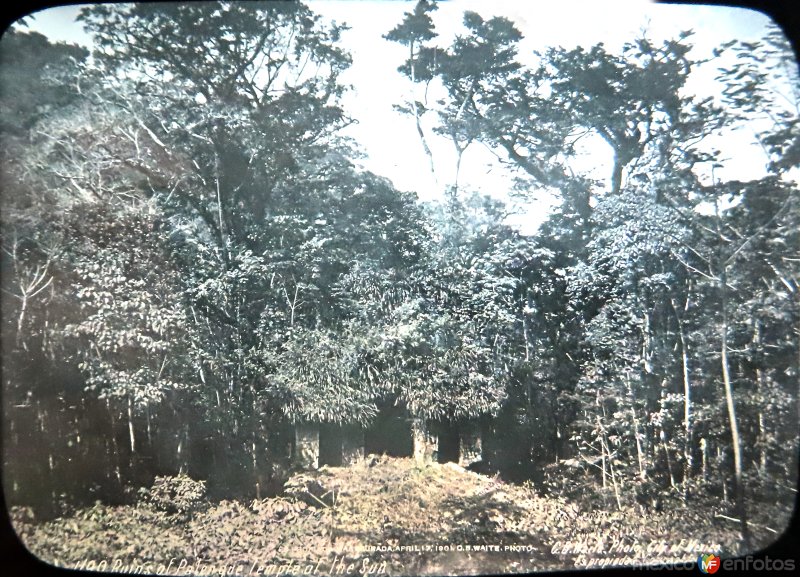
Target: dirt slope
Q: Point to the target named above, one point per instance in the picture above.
(382, 516)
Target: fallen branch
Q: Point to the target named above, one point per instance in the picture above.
(721, 516)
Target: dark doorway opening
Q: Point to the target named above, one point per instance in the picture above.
(390, 433)
(448, 450)
(330, 445)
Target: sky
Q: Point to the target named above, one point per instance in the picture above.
(390, 139)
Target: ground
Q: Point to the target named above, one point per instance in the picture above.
(380, 516)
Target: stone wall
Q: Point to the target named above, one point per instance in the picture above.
(348, 438)
(349, 441)
(470, 446)
(352, 444)
(306, 445)
(425, 443)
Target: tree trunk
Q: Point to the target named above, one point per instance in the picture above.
(131, 432)
(616, 175)
(761, 382)
(687, 399)
(639, 452)
(149, 427)
(415, 111)
(183, 439)
(762, 433)
(606, 450)
(735, 439)
(663, 437)
(647, 365)
(21, 320)
(704, 451)
(114, 456)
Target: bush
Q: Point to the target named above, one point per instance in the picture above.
(568, 478)
(306, 488)
(179, 495)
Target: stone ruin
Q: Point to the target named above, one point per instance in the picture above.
(394, 433)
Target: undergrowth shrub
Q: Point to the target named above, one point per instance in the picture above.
(179, 495)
